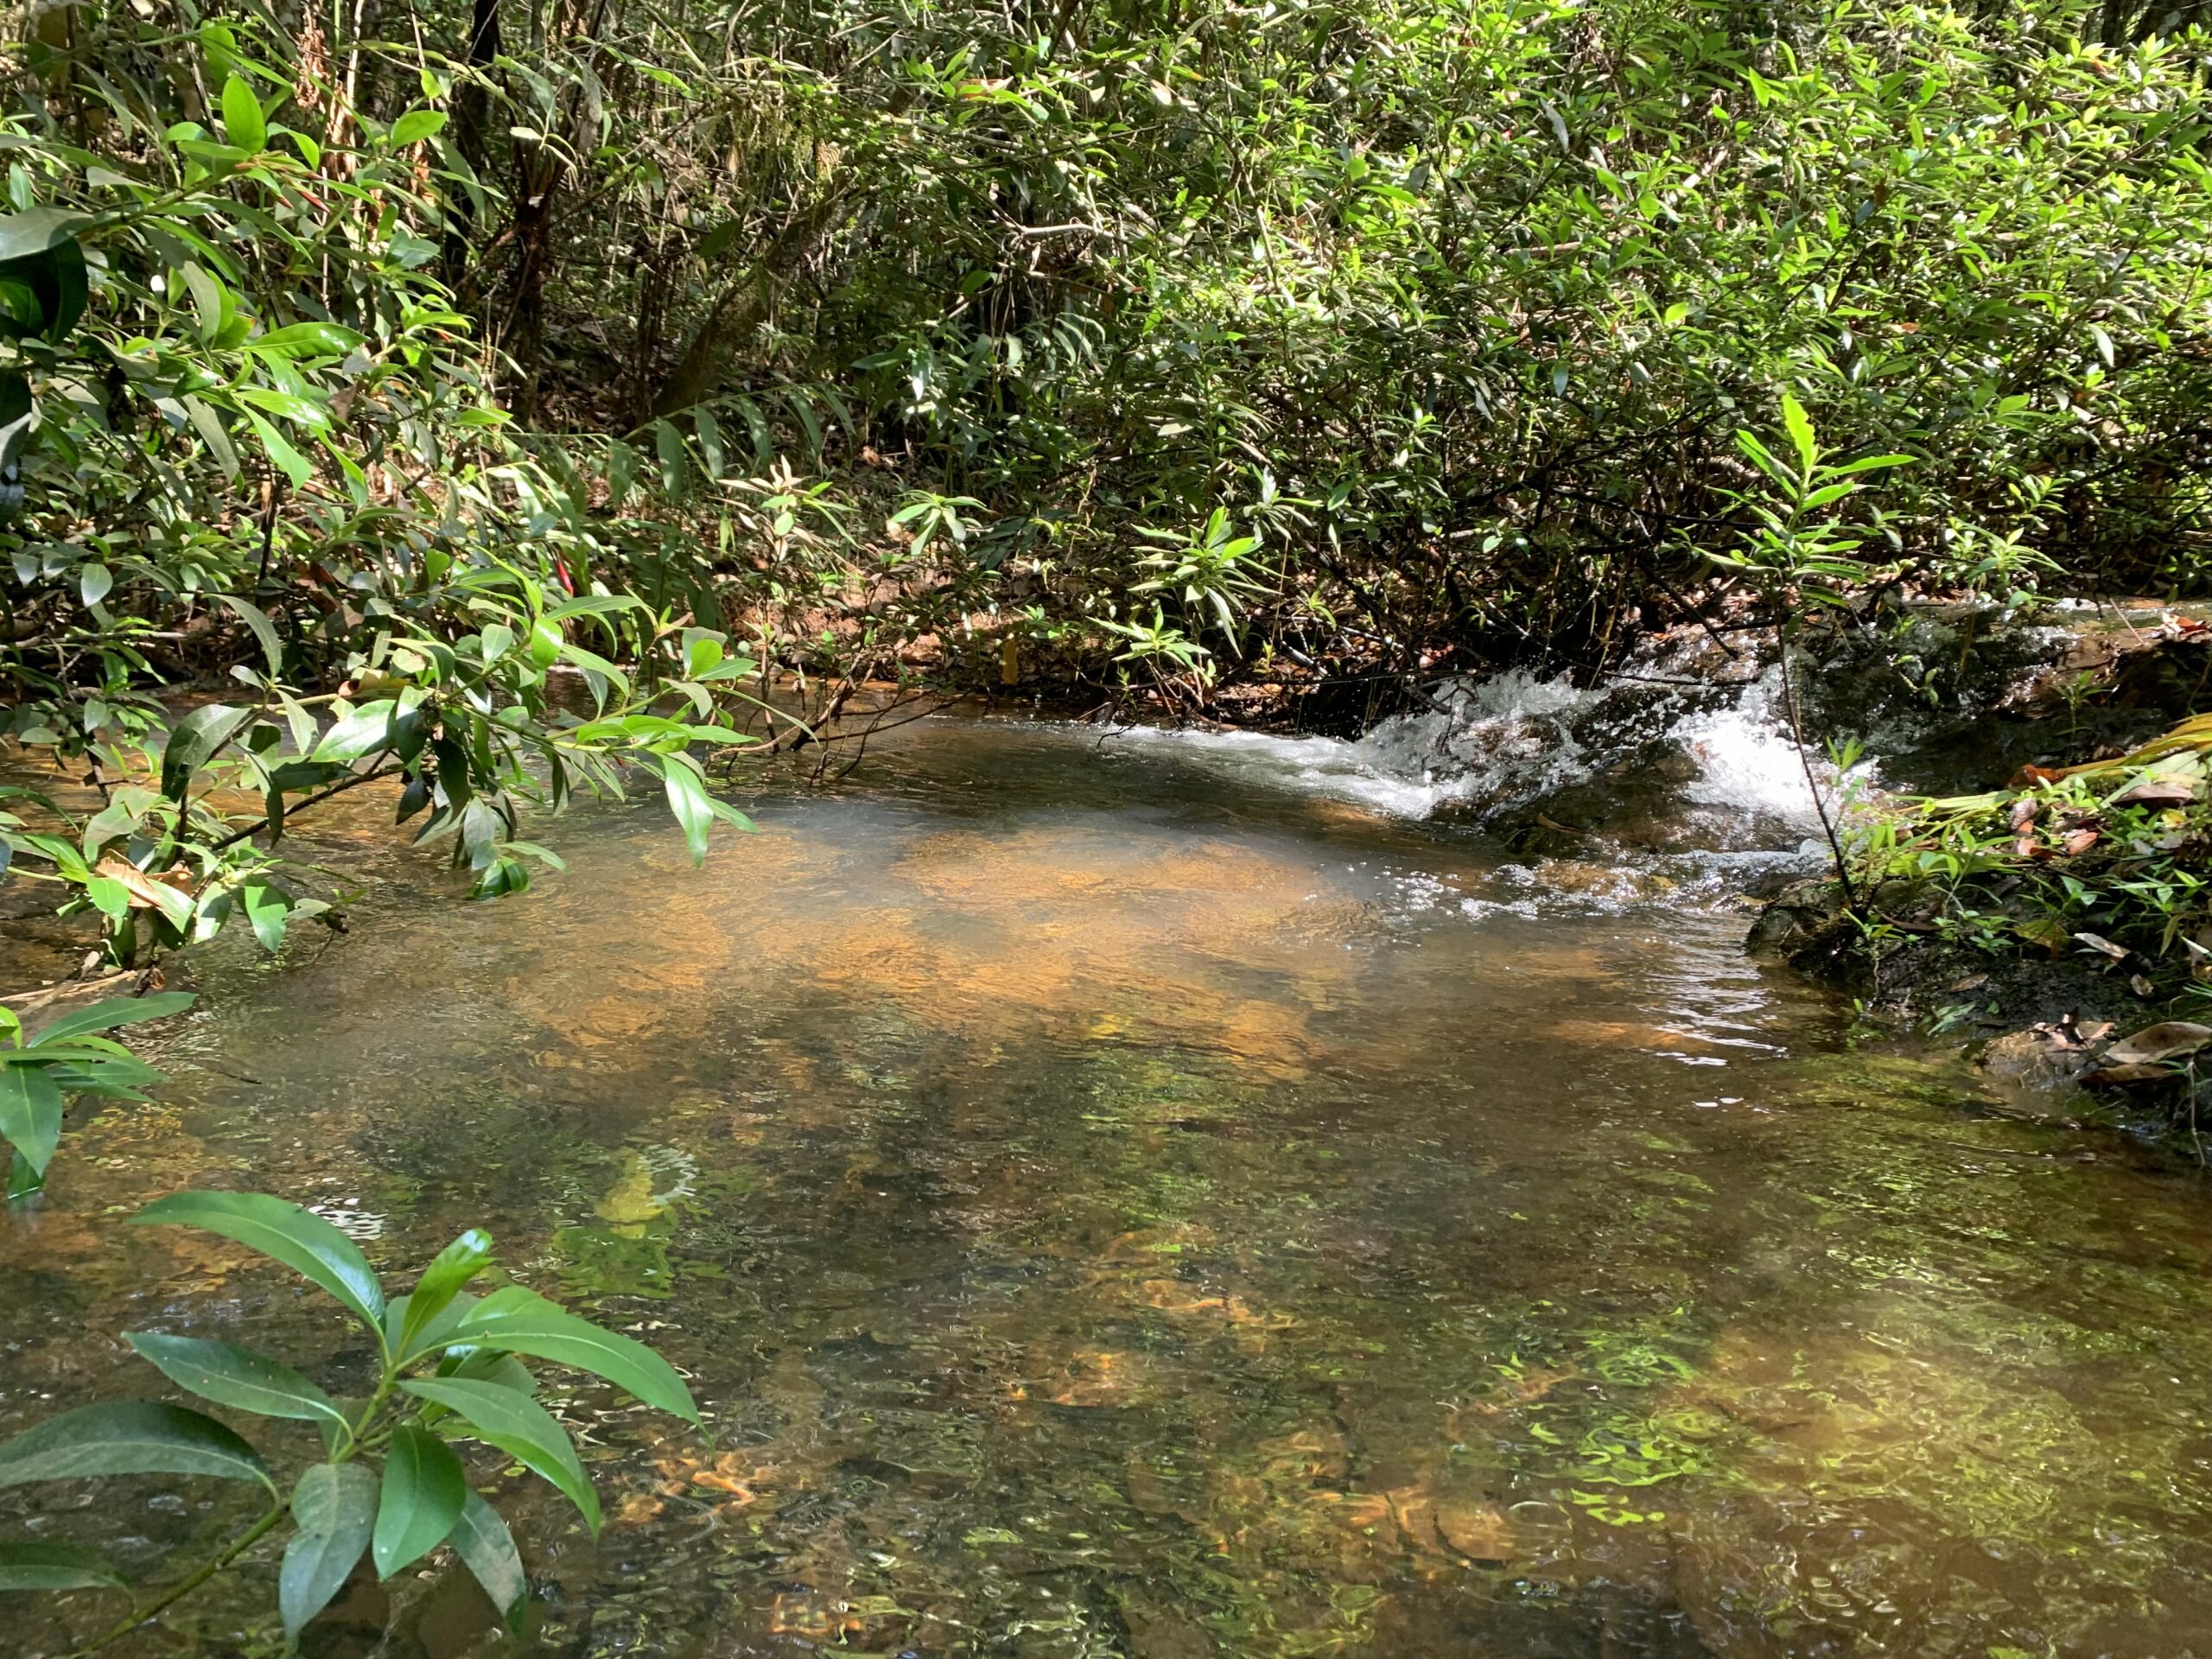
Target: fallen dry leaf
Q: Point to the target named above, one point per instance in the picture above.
(147, 892)
(2164, 789)
(2098, 942)
(2167, 1040)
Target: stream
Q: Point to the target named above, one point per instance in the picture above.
(1169, 1196)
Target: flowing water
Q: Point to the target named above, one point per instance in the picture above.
(1163, 1197)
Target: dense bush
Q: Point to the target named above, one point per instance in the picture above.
(396, 373)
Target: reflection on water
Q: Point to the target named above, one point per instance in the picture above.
(1110, 1206)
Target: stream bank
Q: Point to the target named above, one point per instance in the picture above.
(2024, 876)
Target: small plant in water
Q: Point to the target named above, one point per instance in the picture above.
(69, 1057)
(390, 1486)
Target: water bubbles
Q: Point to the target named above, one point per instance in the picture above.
(348, 1217)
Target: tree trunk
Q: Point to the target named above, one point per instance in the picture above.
(742, 308)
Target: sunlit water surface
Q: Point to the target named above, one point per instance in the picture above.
(1113, 1198)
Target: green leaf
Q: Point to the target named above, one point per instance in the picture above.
(194, 741)
(488, 1549)
(264, 631)
(110, 1011)
(1764, 458)
(687, 800)
(1869, 463)
(520, 1426)
(1800, 428)
(454, 1266)
(35, 230)
(489, 1366)
(120, 1078)
(523, 1322)
(209, 425)
(424, 1487)
(305, 1242)
(230, 1376)
(308, 340)
(280, 452)
(335, 1505)
(128, 1437)
(368, 728)
(268, 909)
(54, 1566)
(243, 125)
(416, 125)
(30, 1114)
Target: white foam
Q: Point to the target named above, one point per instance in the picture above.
(1492, 746)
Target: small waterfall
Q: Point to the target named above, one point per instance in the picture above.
(1656, 758)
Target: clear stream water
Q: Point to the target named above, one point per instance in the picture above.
(1165, 1197)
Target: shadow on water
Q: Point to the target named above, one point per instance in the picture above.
(1120, 1200)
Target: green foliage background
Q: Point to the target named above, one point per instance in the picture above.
(400, 360)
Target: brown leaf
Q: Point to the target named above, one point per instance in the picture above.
(2078, 842)
(2164, 789)
(2098, 942)
(142, 886)
(2024, 811)
(2168, 1039)
(2141, 986)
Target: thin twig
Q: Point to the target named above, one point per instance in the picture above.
(315, 799)
(1805, 759)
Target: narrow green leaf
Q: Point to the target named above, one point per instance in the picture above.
(230, 1376)
(206, 422)
(290, 461)
(128, 1437)
(30, 1114)
(521, 1321)
(488, 1549)
(194, 741)
(1869, 463)
(335, 1505)
(454, 1266)
(264, 631)
(1799, 425)
(520, 1426)
(416, 125)
(308, 340)
(243, 125)
(110, 1011)
(304, 1242)
(424, 1487)
(687, 800)
(54, 1566)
